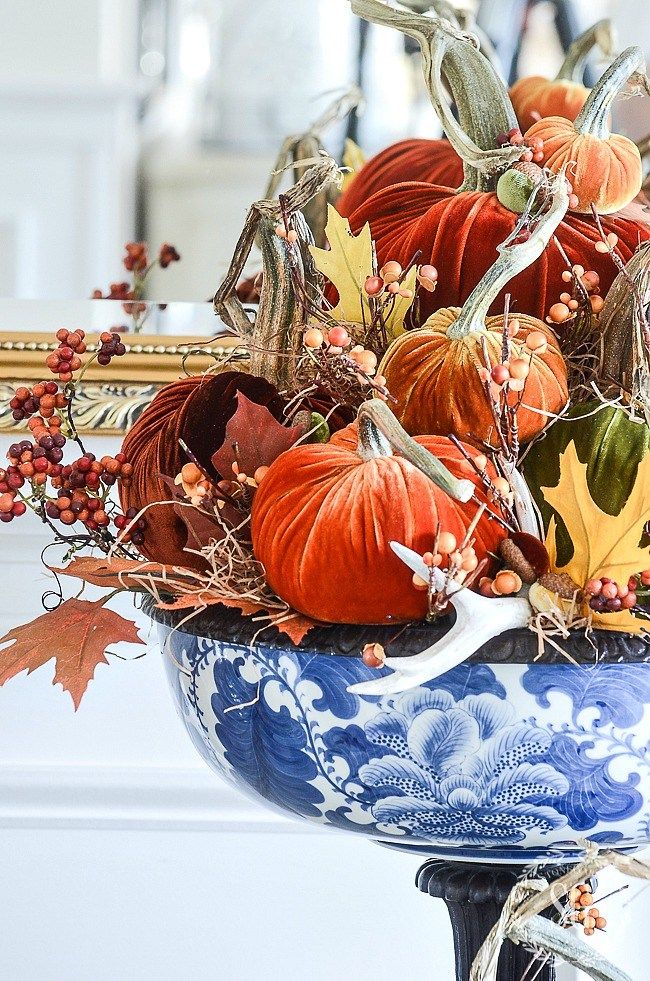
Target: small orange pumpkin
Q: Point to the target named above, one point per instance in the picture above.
(433, 372)
(536, 97)
(324, 516)
(604, 168)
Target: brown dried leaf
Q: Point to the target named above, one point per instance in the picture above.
(118, 573)
(254, 438)
(76, 634)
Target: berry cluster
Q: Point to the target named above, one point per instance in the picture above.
(38, 460)
(568, 306)
(40, 427)
(135, 533)
(10, 508)
(584, 913)
(66, 358)
(167, 254)
(137, 256)
(88, 473)
(195, 484)
(44, 398)
(534, 152)
(457, 560)
(336, 341)
(606, 596)
(505, 583)
(111, 346)
(77, 505)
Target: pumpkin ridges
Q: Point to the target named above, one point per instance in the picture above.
(353, 576)
(429, 161)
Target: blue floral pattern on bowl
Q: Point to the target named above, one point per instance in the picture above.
(509, 761)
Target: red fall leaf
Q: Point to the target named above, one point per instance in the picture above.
(76, 634)
(254, 438)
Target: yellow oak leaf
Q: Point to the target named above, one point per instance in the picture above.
(603, 545)
(354, 160)
(347, 264)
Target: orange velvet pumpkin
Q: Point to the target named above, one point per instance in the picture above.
(565, 95)
(430, 161)
(536, 96)
(437, 385)
(605, 169)
(324, 515)
(433, 372)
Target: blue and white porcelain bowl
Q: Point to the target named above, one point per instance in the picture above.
(505, 758)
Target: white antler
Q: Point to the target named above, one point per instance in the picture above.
(478, 620)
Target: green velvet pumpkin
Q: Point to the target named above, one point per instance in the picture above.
(611, 445)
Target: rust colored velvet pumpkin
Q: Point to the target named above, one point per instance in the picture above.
(564, 95)
(433, 372)
(430, 161)
(604, 168)
(324, 515)
(197, 410)
(459, 234)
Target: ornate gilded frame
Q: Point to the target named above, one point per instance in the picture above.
(109, 398)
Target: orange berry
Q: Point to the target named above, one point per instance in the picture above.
(597, 303)
(559, 312)
(191, 473)
(313, 338)
(506, 583)
(485, 586)
(519, 368)
(601, 247)
(567, 276)
(536, 342)
(601, 922)
(260, 473)
(446, 543)
(391, 272)
(573, 305)
(586, 899)
(612, 240)
(420, 583)
(481, 461)
(501, 485)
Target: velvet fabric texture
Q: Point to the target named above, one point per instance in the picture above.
(323, 519)
(430, 161)
(605, 172)
(459, 234)
(197, 410)
(437, 385)
(546, 97)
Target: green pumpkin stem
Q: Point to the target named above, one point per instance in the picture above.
(600, 35)
(512, 260)
(595, 114)
(380, 434)
(484, 108)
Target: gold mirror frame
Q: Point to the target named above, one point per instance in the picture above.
(109, 399)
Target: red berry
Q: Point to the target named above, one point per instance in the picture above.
(609, 590)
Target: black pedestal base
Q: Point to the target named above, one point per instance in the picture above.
(475, 895)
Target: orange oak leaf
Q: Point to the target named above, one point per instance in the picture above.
(118, 573)
(76, 635)
(294, 625)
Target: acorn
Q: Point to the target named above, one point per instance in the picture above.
(561, 584)
(514, 559)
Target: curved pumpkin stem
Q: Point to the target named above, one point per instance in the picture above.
(512, 260)
(484, 108)
(594, 117)
(600, 35)
(274, 338)
(380, 434)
